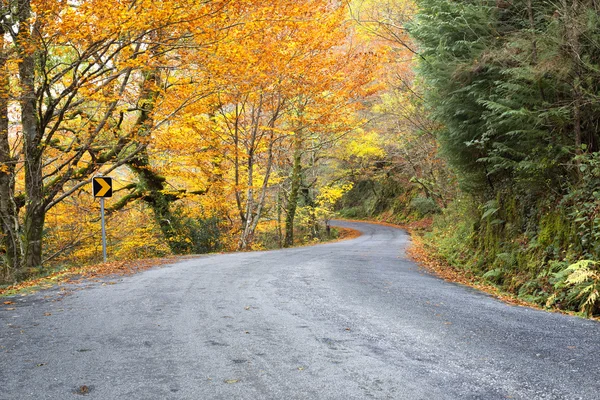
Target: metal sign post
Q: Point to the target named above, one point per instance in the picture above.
(103, 228)
(102, 187)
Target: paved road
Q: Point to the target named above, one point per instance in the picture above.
(349, 320)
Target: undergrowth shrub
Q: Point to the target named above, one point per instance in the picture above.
(424, 206)
(452, 233)
(583, 204)
(195, 235)
(529, 254)
(204, 234)
(378, 199)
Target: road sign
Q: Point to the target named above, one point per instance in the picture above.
(102, 186)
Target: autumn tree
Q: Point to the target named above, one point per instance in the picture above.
(210, 109)
(393, 160)
(89, 97)
(287, 73)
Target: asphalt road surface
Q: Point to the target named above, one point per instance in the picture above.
(348, 320)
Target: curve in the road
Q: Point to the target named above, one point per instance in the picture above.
(349, 320)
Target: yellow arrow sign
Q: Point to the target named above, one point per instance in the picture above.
(102, 187)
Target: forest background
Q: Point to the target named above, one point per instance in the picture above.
(235, 125)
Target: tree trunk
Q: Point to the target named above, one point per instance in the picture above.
(152, 187)
(532, 27)
(34, 184)
(279, 213)
(573, 30)
(236, 164)
(292, 203)
(10, 246)
(255, 204)
(246, 237)
(33, 233)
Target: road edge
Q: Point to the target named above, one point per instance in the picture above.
(418, 253)
(99, 271)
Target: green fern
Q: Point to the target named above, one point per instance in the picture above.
(584, 278)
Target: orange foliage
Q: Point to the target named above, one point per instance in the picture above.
(286, 67)
(218, 90)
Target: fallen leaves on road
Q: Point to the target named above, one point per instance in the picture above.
(77, 275)
(347, 233)
(83, 390)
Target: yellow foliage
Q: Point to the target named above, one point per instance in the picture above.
(365, 145)
(74, 233)
(135, 235)
(329, 195)
(219, 91)
(325, 203)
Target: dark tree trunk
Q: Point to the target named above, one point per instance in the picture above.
(152, 187)
(10, 247)
(34, 184)
(292, 202)
(572, 15)
(33, 233)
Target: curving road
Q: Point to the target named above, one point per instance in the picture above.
(348, 320)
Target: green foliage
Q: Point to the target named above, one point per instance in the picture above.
(453, 232)
(194, 235)
(576, 286)
(375, 198)
(424, 206)
(515, 87)
(490, 209)
(488, 241)
(502, 84)
(205, 234)
(451, 36)
(495, 275)
(584, 278)
(583, 203)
